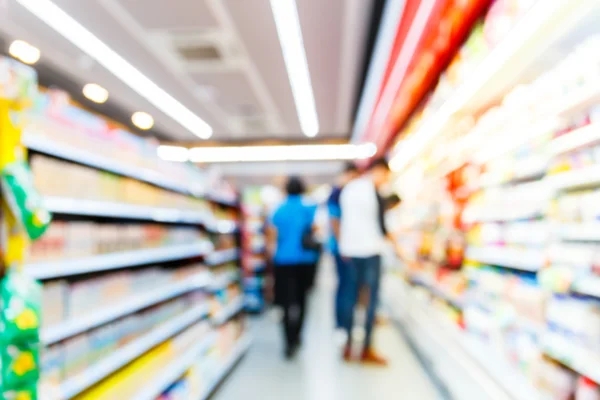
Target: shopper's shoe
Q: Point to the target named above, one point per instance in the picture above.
(347, 354)
(370, 357)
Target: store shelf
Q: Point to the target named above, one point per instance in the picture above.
(240, 349)
(229, 311)
(582, 100)
(222, 282)
(579, 359)
(585, 232)
(468, 366)
(222, 256)
(173, 371)
(105, 262)
(222, 226)
(93, 208)
(125, 307)
(66, 152)
(576, 139)
(576, 178)
(530, 260)
(123, 356)
(588, 286)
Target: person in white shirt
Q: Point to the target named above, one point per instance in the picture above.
(362, 237)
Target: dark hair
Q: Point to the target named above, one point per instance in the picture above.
(350, 167)
(392, 201)
(379, 163)
(295, 186)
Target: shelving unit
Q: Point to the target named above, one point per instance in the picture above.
(150, 243)
(520, 313)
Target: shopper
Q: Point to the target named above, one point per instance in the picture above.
(290, 231)
(362, 238)
(333, 207)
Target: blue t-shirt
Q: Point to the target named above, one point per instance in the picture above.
(292, 219)
(335, 212)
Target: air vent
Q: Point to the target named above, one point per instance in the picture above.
(207, 52)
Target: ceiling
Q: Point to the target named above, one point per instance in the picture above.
(220, 58)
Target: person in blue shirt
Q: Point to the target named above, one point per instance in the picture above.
(290, 223)
(333, 207)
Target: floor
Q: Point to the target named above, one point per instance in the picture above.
(317, 373)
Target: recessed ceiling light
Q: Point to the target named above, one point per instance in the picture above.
(142, 120)
(294, 55)
(95, 93)
(23, 51)
(80, 36)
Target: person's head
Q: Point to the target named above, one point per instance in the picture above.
(392, 201)
(380, 171)
(350, 172)
(295, 186)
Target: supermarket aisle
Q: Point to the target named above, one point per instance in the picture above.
(318, 373)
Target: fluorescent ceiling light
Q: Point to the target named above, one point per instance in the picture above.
(90, 44)
(142, 120)
(173, 153)
(292, 46)
(268, 153)
(95, 93)
(24, 52)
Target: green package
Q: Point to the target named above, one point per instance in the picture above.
(21, 312)
(20, 365)
(24, 200)
(25, 393)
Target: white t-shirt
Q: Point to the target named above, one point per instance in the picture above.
(360, 228)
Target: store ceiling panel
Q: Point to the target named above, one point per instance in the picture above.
(221, 59)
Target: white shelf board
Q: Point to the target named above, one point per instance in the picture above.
(64, 151)
(588, 286)
(105, 262)
(589, 231)
(229, 311)
(222, 256)
(576, 139)
(64, 205)
(581, 177)
(77, 325)
(174, 370)
(240, 349)
(530, 260)
(573, 356)
(123, 356)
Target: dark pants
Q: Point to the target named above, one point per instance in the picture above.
(362, 274)
(291, 285)
(341, 293)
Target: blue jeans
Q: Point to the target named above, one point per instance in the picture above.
(362, 273)
(340, 295)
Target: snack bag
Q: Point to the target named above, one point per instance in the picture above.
(20, 365)
(25, 393)
(21, 312)
(23, 199)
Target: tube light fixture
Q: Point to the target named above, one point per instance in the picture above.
(173, 153)
(95, 93)
(142, 120)
(24, 52)
(326, 152)
(294, 55)
(90, 44)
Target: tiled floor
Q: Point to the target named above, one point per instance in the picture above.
(317, 372)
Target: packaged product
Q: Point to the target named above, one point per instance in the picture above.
(21, 313)
(23, 199)
(24, 393)
(20, 364)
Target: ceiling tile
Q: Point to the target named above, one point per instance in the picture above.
(231, 90)
(174, 14)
